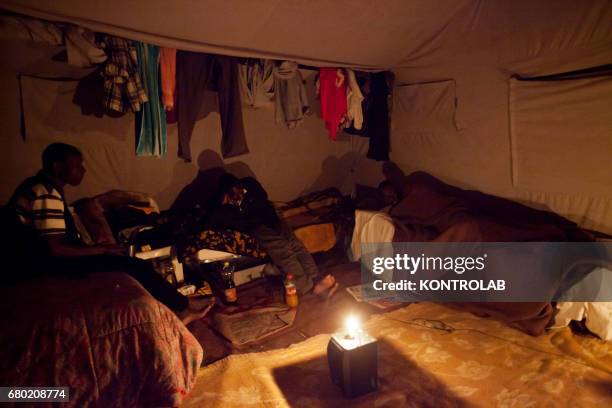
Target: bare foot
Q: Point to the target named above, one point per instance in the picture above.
(327, 284)
(333, 290)
(196, 309)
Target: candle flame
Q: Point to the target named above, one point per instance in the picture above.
(352, 325)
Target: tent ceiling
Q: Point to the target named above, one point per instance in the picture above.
(358, 33)
(335, 32)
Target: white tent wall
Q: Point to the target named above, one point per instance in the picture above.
(500, 40)
(287, 162)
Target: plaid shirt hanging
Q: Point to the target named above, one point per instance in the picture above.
(123, 90)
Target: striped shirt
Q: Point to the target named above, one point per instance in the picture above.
(41, 205)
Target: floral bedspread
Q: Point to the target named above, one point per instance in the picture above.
(231, 241)
(103, 336)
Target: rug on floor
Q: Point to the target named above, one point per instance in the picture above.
(429, 355)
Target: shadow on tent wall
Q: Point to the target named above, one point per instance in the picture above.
(210, 169)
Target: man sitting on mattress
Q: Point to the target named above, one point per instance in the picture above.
(44, 238)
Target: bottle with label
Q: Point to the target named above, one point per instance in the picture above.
(291, 296)
(229, 287)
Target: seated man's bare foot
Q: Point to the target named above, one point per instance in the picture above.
(196, 309)
(197, 303)
(326, 286)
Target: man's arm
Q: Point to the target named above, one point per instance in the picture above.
(59, 246)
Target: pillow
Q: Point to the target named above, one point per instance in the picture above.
(90, 214)
(78, 224)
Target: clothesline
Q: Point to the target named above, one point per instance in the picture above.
(133, 72)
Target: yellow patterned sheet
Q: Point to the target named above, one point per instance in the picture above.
(429, 355)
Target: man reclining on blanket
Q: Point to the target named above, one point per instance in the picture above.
(431, 210)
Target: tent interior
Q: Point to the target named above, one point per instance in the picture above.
(510, 98)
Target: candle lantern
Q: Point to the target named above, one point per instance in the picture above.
(352, 355)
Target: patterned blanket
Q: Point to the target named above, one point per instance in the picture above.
(228, 240)
(103, 336)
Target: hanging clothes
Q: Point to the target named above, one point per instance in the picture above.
(378, 117)
(89, 94)
(363, 81)
(291, 101)
(332, 91)
(123, 90)
(354, 99)
(256, 78)
(81, 47)
(198, 73)
(167, 64)
(151, 119)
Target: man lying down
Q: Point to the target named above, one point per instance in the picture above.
(431, 210)
(425, 209)
(422, 208)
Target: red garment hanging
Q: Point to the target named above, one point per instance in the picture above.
(332, 89)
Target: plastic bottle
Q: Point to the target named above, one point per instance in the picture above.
(291, 296)
(229, 287)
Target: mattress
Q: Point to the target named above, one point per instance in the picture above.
(104, 336)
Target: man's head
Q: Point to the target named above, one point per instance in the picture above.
(64, 163)
(229, 191)
(389, 193)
